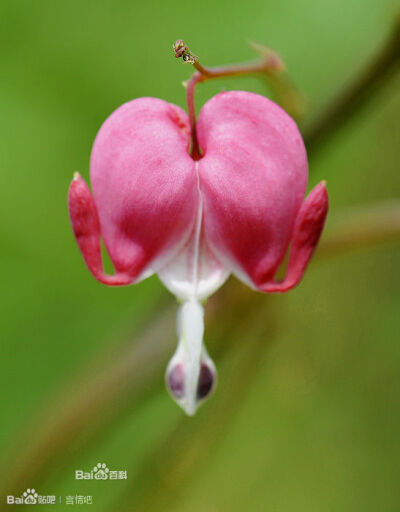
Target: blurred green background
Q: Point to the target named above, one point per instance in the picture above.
(312, 422)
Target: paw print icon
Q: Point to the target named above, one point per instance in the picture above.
(101, 471)
(30, 497)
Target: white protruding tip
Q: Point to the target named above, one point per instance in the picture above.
(191, 374)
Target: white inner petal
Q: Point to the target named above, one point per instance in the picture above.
(195, 272)
(192, 330)
(189, 356)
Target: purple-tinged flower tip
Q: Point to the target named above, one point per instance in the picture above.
(177, 378)
(206, 381)
(176, 381)
(191, 375)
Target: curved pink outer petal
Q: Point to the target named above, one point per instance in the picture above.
(86, 226)
(306, 233)
(253, 178)
(144, 183)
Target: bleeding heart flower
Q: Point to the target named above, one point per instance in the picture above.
(234, 210)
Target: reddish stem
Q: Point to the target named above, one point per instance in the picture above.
(195, 151)
(267, 65)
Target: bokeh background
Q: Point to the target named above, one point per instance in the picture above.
(306, 416)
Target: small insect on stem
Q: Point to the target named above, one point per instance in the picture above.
(182, 50)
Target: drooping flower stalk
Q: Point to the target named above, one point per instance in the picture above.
(270, 65)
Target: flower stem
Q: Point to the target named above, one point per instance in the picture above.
(270, 65)
(191, 84)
